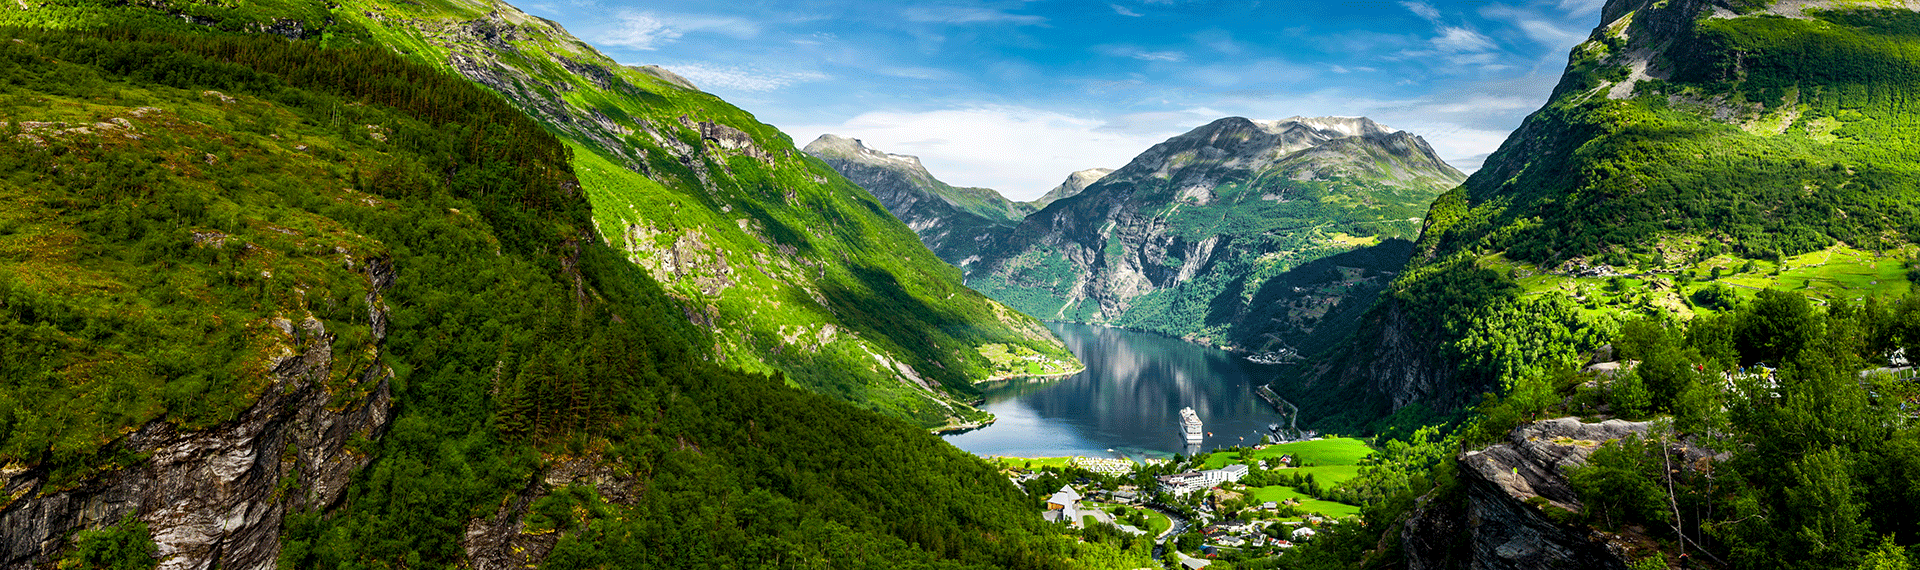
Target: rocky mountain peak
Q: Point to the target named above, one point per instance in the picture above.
(1343, 126)
(1239, 143)
(849, 148)
(1074, 184)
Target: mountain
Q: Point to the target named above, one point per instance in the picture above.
(1692, 154)
(270, 304)
(1073, 186)
(1219, 235)
(956, 223)
(798, 270)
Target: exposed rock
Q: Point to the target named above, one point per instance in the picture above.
(1503, 531)
(214, 498)
(1073, 186)
(1187, 221)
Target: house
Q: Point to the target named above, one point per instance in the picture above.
(1233, 473)
(1303, 533)
(1270, 506)
(1063, 506)
(1194, 563)
(1065, 498)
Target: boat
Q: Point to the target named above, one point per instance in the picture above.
(1190, 424)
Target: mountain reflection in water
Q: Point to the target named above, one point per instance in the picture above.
(1127, 400)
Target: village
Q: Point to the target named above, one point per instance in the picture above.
(1230, 504)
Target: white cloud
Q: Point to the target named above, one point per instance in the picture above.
(1456, 39)
(1140, 54)
(1122, 10)
(729, 78)
(1021, 152)
(1424, 10)
(1538, 27)
(968, 15)
(648, 31)
(638, 30)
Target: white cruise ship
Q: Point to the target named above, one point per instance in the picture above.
(1190, 424)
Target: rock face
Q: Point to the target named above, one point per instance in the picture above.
(214, 498)
(1497, 528)
(1185, 237)
(1073, 186)
(956, 223)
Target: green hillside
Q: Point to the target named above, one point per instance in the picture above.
(795, 269)
(1680, 166)
(192, 210)
(956, 223)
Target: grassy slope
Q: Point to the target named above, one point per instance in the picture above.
(798, 270)
(1801, 159)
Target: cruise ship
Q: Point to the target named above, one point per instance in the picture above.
(1190, 423)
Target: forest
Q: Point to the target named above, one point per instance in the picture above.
(516, 341)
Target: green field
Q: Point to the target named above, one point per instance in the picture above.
(1030, 462)
(1156, 523)
(1335, 451)
(1278, 493)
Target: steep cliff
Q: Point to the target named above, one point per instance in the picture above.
(956, 223)
(1186, 236)
(1693, 152)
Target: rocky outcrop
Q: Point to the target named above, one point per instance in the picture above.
(1501, 525)
(214, 498)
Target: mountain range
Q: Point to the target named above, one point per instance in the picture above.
(1264, 236)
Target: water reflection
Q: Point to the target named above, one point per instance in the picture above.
(1127, 400)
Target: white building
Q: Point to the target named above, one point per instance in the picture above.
(1063, 506)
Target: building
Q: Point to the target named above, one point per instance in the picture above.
(1196, 480)
(1302, 533)
(1063, 506)
(1183, 483)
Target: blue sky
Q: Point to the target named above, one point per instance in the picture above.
(1015, 95)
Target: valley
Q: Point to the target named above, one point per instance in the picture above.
(440, 284)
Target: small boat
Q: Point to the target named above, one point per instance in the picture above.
(1190, 425)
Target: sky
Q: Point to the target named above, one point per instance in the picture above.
(1015, 95)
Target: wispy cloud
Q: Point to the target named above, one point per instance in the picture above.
(1140, 54)
(638, 30)
(742, 78)
(1543, 28)
(969, 15)
(648, 31)
(1424, 10)
(1122, 10)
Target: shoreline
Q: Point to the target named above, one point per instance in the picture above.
(1054, 376)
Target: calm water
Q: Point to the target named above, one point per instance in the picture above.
(1128, 400)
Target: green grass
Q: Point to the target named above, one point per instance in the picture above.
(1031, 462)
(1307, 504)
(1332, 451)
